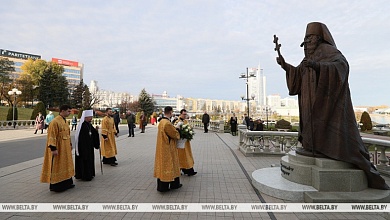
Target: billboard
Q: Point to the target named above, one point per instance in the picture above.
(65, 62)
(14, 54)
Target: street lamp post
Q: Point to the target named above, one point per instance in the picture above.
(266, 109)
(247, 76)
(14, 92)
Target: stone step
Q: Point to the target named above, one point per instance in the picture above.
(365, 196)
(270, 182)
(321, 162)
(329, 177)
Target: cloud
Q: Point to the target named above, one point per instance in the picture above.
(197, 48)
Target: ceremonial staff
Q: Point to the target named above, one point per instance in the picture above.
(100, 155)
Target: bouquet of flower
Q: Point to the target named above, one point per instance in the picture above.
(186, 132)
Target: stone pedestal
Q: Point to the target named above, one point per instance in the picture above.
(323, 174)
(307, 179)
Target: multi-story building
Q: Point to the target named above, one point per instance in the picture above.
(257, 85)
(19, 59)
(73, 71)
(109, 99)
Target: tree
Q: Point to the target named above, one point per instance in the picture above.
(53, 87)
(9, 115)
(6, 68)
(365, 121)
(146, 102)
(134, 106)
(77, 96)
(40, 107)
(90, 98)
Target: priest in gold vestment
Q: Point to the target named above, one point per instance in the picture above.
(186, 160)
(107, 143)
(166, 163)
(58, 166)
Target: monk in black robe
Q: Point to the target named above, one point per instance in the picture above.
(87, 139)
(327, 120)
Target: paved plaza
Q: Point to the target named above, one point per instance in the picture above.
(223, 177)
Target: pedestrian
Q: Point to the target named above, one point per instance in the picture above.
(117, 120)
(39, 123)
(233, 124)
(251, 124)
(86, 140)
(166, 162)
(142, 122)
(130, 123)
(48, 119)
(58, 168)
(186, 160)
(259, 126)
(246, 121)
(74, 122)
(107, 143)
(327, 120)
(206, 121)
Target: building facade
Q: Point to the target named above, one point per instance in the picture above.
(19, 58)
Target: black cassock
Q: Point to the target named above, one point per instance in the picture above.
(85, 162)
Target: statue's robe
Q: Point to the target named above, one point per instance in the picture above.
(327, 119)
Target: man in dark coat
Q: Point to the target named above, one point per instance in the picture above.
(130, 123)
(327, 120)
(117, 120)
(86, 139)
(206, 121)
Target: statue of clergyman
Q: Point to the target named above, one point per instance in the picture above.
(327, 121)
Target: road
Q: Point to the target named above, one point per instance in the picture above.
(21, 150)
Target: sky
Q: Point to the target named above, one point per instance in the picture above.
(199, 48)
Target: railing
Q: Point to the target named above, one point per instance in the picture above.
(18, 124)
(266, 142)
(29, 124)
(252, 143)
(215, 125)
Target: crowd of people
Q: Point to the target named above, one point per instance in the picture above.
(58, 169)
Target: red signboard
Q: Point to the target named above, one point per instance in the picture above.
(65, 62)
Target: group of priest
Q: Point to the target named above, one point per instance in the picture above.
(58, 168)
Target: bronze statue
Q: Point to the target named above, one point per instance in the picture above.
(327, 120)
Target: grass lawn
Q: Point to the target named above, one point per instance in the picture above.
(23, 113)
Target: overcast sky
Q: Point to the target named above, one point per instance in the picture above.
(199, 48)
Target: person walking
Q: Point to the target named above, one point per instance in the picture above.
(130, 123)
(142, 122)
(58, 168)
(48, 119)
(166, 162)
(233, 124)
(74, 122)
(107, 143)
(117, 120)
(186, 160)
(86, 140)
(39, 123)
(206, 121)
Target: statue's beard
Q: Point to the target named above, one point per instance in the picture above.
(310, 48)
